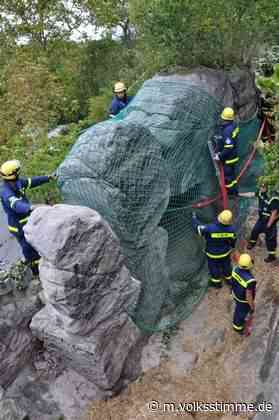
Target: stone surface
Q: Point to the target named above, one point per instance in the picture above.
(236, 88)
(45, 396)
(9, 410)
(16, 341)
(89, 292)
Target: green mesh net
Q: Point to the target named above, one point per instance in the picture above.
(143, 171)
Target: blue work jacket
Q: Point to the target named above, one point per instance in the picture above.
(15, 203)
(227, 145)
(118, 104)
(242, 280)
(220, 239)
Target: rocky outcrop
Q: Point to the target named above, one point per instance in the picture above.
(89, 292)
(16, 341)
(235, 88)
(9, 410)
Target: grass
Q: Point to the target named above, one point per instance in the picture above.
(41, 157)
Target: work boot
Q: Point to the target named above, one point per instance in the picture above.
(270, 258)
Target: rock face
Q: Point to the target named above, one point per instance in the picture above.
(10, 411)
(88, 289)
(16, 341)
(235, 88)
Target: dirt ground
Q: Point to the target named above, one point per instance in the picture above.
(212, 374)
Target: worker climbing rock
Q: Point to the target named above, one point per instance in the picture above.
(220, 240)
(18, 208)
(267, 223)
(120, 100)
(243, 292)
(227, 149)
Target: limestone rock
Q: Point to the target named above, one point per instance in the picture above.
(89, 292)
(16, 341)
(9, 410)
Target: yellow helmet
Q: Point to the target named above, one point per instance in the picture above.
(227, 114)
(225, 217)
(119, 87)
(10, 170)
(245, 261)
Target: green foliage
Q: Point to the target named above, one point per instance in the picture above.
(271, 155)
(213, 33)
(32, 97)
(40, 158)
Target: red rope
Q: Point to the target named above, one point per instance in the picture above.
(224, 191)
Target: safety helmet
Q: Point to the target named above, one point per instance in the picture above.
(245, 261)
(227, 114)
(10, 170)
(225, 217)
(119, 87)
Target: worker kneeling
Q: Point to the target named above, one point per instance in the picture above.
(18, 208)
(220, 240)
(243, 291)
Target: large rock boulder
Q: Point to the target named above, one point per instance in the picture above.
(88, 290)
(143, 170)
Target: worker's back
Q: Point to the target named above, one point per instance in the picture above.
(220, 239)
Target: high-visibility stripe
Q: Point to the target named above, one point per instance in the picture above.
(29, 183)
(24, 220)
(239, 280)
(199, 228)
(237, 299)
(272, 252)
(12, 229)
(230, 161)
(235, 132)
(252, 241)
(264, 213)
(35, 262)
(250, 281)
(238, 328)
(228, 277)
(215, 280)
(231, 184)
(214, 256)
(229, 146)
(13, 200)
(273, 198)
(223, 235)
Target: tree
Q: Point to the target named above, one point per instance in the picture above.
(40, 21)
(110, 14)
(209, 32)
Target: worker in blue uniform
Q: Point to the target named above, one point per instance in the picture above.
(260, 226)
(18, 208)
(120, 100)
(267, 223)
(220, 240)
(227, 149)
(243, 292)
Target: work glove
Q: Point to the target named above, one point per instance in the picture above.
(53, 176)
(217, 157)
